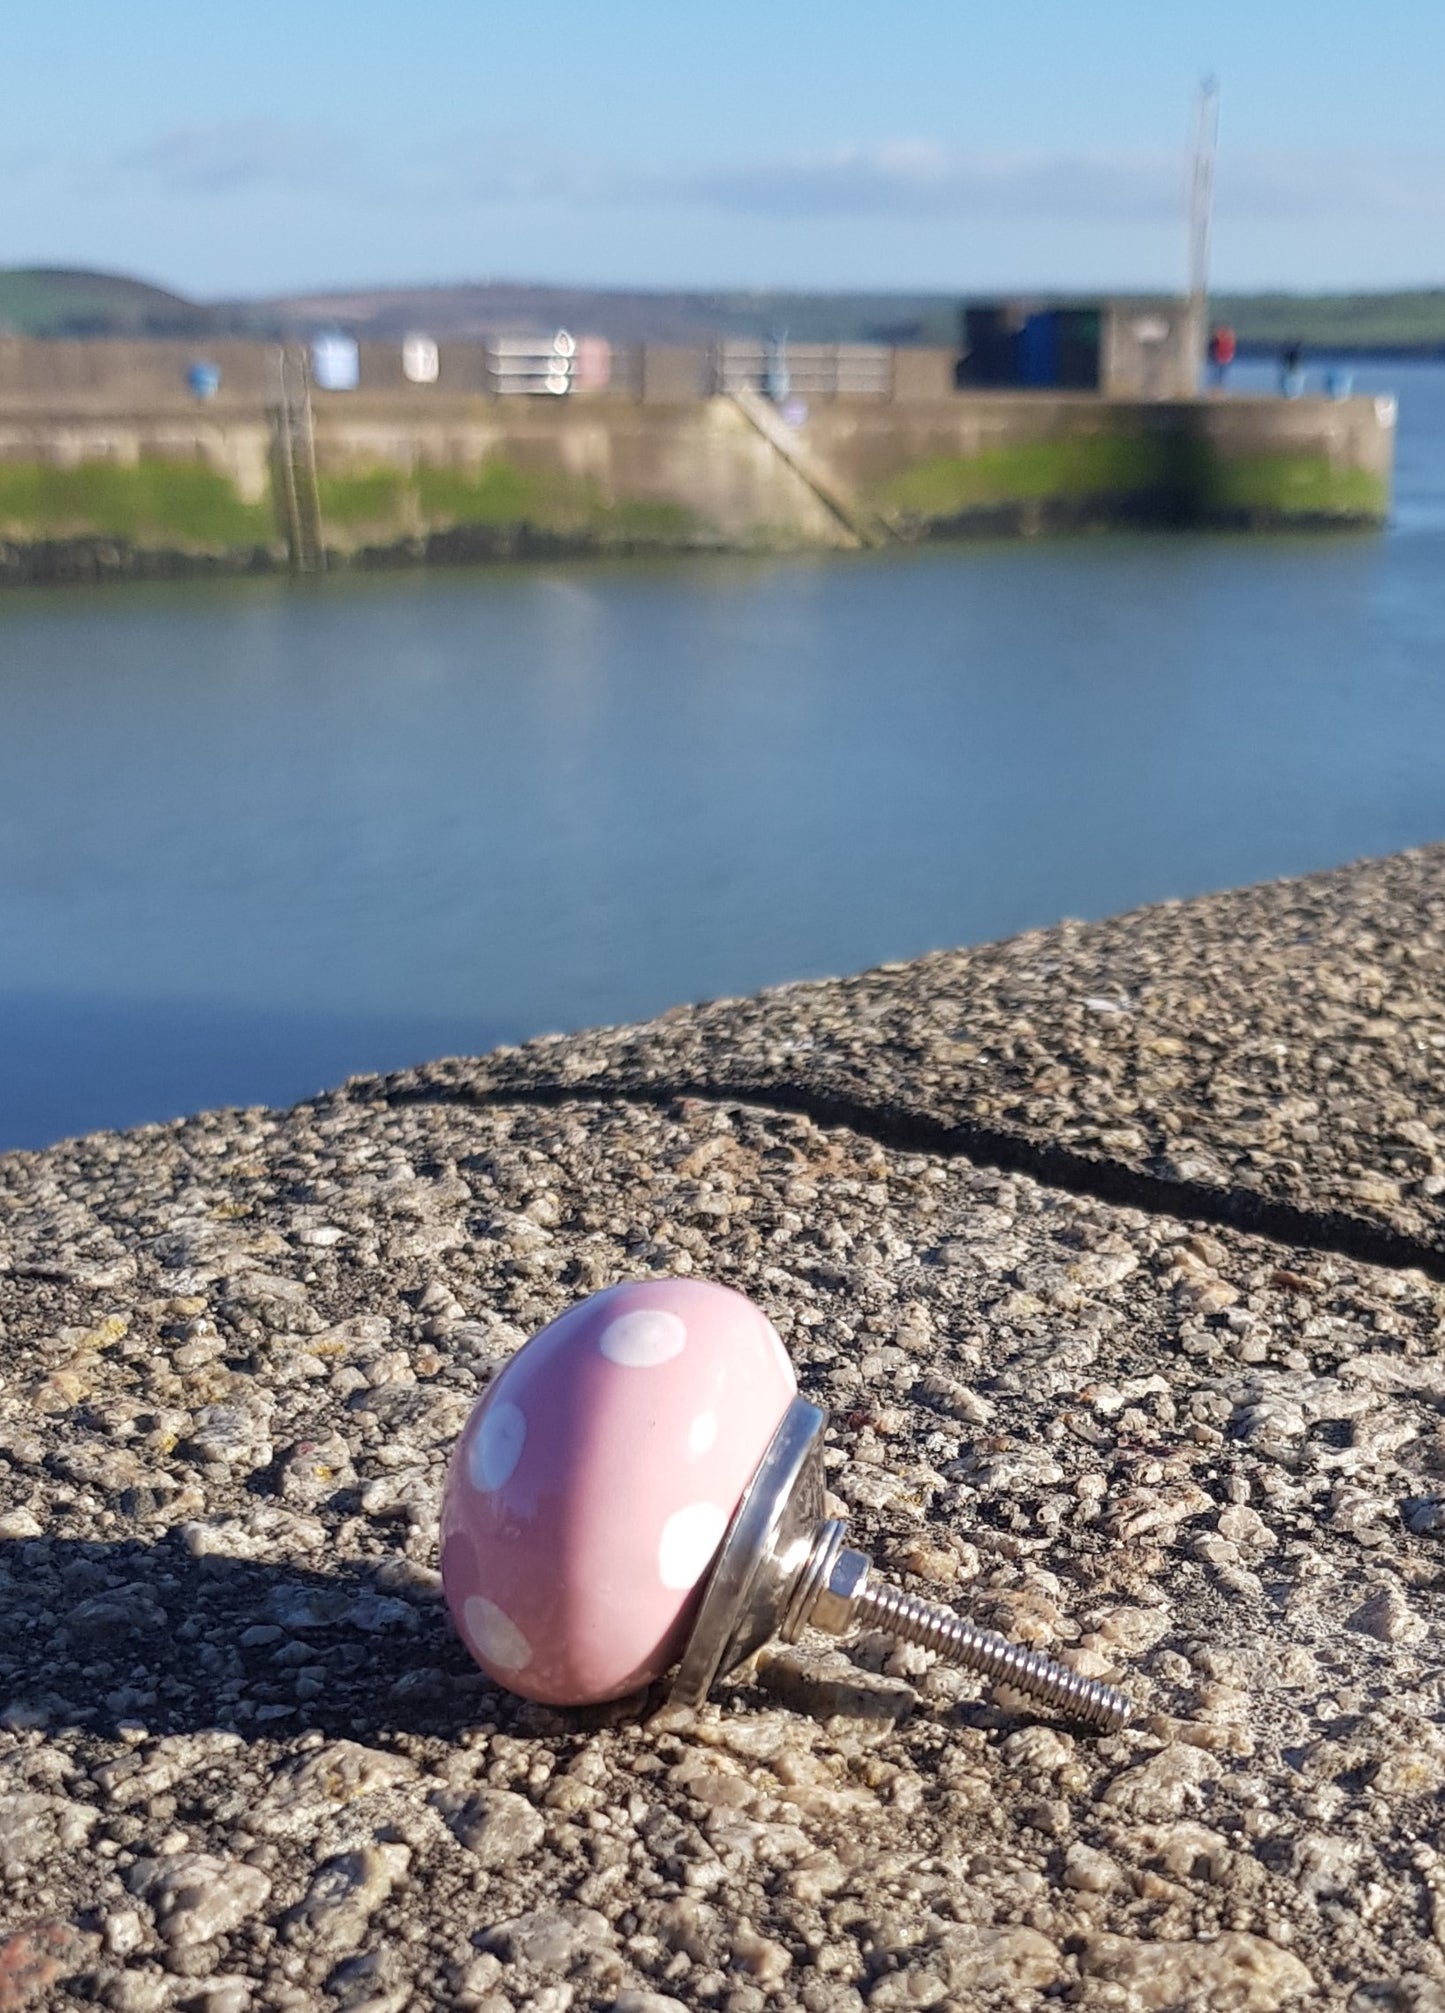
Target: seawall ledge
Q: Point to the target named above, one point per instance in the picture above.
(1196, 1452)
(382, 480)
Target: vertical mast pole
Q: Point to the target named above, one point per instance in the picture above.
(1201, 209)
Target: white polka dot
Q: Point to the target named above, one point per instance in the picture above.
(497, 1445)
(689, 1539)
(784, 1359)
(643, 1339)
(494, 1636)
(702, 1433)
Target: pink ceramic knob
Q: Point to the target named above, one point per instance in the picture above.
(592, 1485)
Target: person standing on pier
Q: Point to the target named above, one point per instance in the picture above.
(1221, 354)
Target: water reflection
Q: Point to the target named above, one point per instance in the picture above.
(253, 838)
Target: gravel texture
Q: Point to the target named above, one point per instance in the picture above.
(245, 1764)
(1274, 1055)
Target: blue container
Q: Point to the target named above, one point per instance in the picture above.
(335, 363)
(1039, 347)
(204, 380)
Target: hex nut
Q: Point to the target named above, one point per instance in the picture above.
(833, 1604)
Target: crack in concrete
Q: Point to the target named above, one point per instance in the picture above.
(1053, 1166)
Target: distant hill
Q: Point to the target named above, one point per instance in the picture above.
(41, 301)
(621, 314)
(1405, 321)
(53, 302)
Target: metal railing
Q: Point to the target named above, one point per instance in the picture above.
(804, 370)
(549, 365)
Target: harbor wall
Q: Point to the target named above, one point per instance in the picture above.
(1035, 459)
(154, 482)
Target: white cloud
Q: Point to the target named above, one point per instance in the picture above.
(921, 178)
(908, 179)
(234, 156)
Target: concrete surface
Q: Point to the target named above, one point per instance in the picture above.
(244, 1762)
(1272, 1055)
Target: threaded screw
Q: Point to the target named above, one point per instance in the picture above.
(964, 1643)
(836, 1592)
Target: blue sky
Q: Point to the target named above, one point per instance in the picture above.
(954, 146)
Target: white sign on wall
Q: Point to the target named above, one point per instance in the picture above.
(420, 360)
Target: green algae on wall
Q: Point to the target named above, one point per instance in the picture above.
(178, 502)
(1181, 477)
(503, 496)
(374, 497)
(499, 493)
(1291, 486)
(644, 520)
(371, 507)
(186, 506)
(1101, 464)
(384, 501)
(1144, 466)
(495, 495)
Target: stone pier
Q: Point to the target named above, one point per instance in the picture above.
(109, 467)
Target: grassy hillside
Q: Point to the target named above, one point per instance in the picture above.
(623, 315)
(40, 301)
(1413, 320)
(47, 302)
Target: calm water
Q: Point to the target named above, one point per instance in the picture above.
(254, 837)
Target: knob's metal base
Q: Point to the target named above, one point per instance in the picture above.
(764, 1551)
(783, 1567)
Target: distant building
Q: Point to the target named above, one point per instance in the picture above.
(1119, 348)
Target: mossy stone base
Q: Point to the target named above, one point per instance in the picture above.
(1124, 478)
(156, 518)
(147, 502)
(501, 497)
